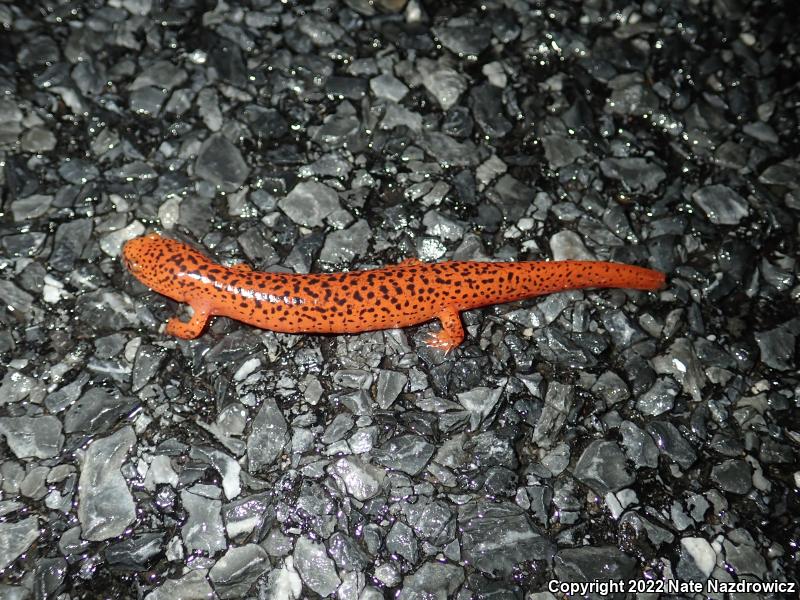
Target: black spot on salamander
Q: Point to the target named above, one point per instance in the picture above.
(383, 290)
(370, 295)
(357, 296)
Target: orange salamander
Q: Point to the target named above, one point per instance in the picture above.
(401, 295)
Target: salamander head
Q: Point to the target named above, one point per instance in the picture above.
(159, 263)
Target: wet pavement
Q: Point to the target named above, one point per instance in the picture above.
(579, 436)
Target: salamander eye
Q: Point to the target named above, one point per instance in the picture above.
(133, 267)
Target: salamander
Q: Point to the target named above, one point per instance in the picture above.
(401, 295)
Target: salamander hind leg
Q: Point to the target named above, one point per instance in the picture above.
(451, 334)
(188, 330)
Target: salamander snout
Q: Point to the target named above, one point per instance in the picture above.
(142, 256)
(130, 263)
(163, 264)
(134, 253)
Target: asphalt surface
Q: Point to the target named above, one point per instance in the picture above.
(646, 438)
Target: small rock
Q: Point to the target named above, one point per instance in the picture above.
(721, 204)
(568, 245)
(388, 86)
(220, 163)
(28, 437)
(106, 507)
(363, 481)
(15, 538)
(344, 245)
(315, 567)
(465, 40)
(603, 468)
(267, 437)
(734, 475)
(309, 203)
(235, 573)
(407, 453)
(638, 175)
(561, 151)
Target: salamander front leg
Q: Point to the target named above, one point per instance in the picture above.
(451, 334)
(188, 330)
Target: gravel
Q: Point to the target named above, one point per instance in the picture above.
(579, 436)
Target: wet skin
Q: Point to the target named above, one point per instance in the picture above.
(402, 295)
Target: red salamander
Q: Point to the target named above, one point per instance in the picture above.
(401, 295)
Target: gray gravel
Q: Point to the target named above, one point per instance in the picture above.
(597, 434)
